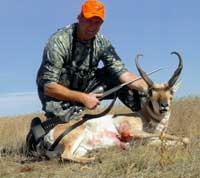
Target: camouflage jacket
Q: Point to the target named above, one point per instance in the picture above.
(74, 70)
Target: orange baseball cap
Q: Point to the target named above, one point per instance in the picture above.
(92, 8)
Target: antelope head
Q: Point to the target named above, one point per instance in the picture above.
(159, 96)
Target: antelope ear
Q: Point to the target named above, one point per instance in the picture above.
(176, 86)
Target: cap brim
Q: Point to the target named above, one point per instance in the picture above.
(88, 16)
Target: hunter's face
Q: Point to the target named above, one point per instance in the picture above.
(88, 28)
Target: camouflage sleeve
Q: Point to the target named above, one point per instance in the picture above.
(111, 60)
(53, 59)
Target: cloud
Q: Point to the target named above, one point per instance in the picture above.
(19, 103)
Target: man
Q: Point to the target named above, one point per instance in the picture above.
(70, 67)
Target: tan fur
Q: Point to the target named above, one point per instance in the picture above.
(69, 140)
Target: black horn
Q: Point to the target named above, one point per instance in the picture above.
(177, 72)
(142, 73)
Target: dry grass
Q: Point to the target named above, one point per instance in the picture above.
(137, 162)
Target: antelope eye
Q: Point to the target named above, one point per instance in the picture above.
(150, 93)
(171, 92)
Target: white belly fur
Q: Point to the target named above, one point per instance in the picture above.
(99, 133)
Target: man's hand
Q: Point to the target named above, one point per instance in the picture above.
(91, 100)
(55, 90)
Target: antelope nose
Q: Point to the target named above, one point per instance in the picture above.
(164, 105)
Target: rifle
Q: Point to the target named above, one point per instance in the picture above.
(113, 90)
(74, 111)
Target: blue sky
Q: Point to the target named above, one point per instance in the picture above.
(154, 28)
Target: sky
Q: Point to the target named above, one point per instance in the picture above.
(153, 28)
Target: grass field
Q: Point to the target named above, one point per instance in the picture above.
(136, 162)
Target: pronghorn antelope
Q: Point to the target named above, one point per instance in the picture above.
(119, 130)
